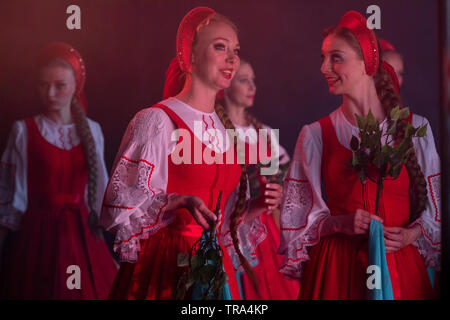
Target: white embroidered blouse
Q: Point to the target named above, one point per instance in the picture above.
(134, 204)
(303, 205)
(13, 165)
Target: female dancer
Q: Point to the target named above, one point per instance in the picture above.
(172, 165)
(391, 56)
(236, 100)
(53, 179)
(326, 244)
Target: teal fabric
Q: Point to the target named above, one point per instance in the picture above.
(377, 257)
(431, 274)
(239, 282)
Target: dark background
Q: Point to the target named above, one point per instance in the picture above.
(127, 46)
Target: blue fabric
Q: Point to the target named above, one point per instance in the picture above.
(239, 282)
(198, 288)
(431, 275)
(377, 257)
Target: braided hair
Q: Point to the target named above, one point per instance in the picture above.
(241, 202)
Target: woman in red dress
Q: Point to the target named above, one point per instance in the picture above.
(172, 165)
(326, 243)
(236, 100)
(52, 181)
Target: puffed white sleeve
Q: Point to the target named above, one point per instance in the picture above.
(303, 209)
(102, 173)
(429, 243)
(13, 178)
(250, 232)
(135, 198)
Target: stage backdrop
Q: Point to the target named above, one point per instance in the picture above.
(127, 46)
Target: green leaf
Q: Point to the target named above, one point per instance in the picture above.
(197, 262)
(422, 131)
(392, 128)
(355, 161)
(361, 122)
(370, 119)
(395, 113)
(403, 114)
(409, 131)
(401, 147)
(386, 150)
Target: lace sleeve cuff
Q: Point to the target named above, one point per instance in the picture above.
(297, 250)
(142, 226)
(300, 225)
(429, 243)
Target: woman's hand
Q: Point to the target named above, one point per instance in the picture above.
(269, 199)
(271, 194)
(354, 223)
(396, 238)
(200, 212)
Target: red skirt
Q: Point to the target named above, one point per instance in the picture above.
(155, 275)
(38, 259)
(271, 284)
(337, 270)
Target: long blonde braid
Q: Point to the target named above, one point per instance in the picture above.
(241, 202)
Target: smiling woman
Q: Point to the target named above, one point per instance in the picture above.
(158, 207)
(326, 243)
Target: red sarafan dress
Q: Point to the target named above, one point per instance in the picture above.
(155, 272)
(271, 283)
(54, 234)
(334, 267)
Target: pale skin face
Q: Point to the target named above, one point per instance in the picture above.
(342, 67)
(56, 88)
(396, 61)
(215, 56)
(242, 90)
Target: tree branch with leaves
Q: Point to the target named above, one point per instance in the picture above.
(380, 148)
